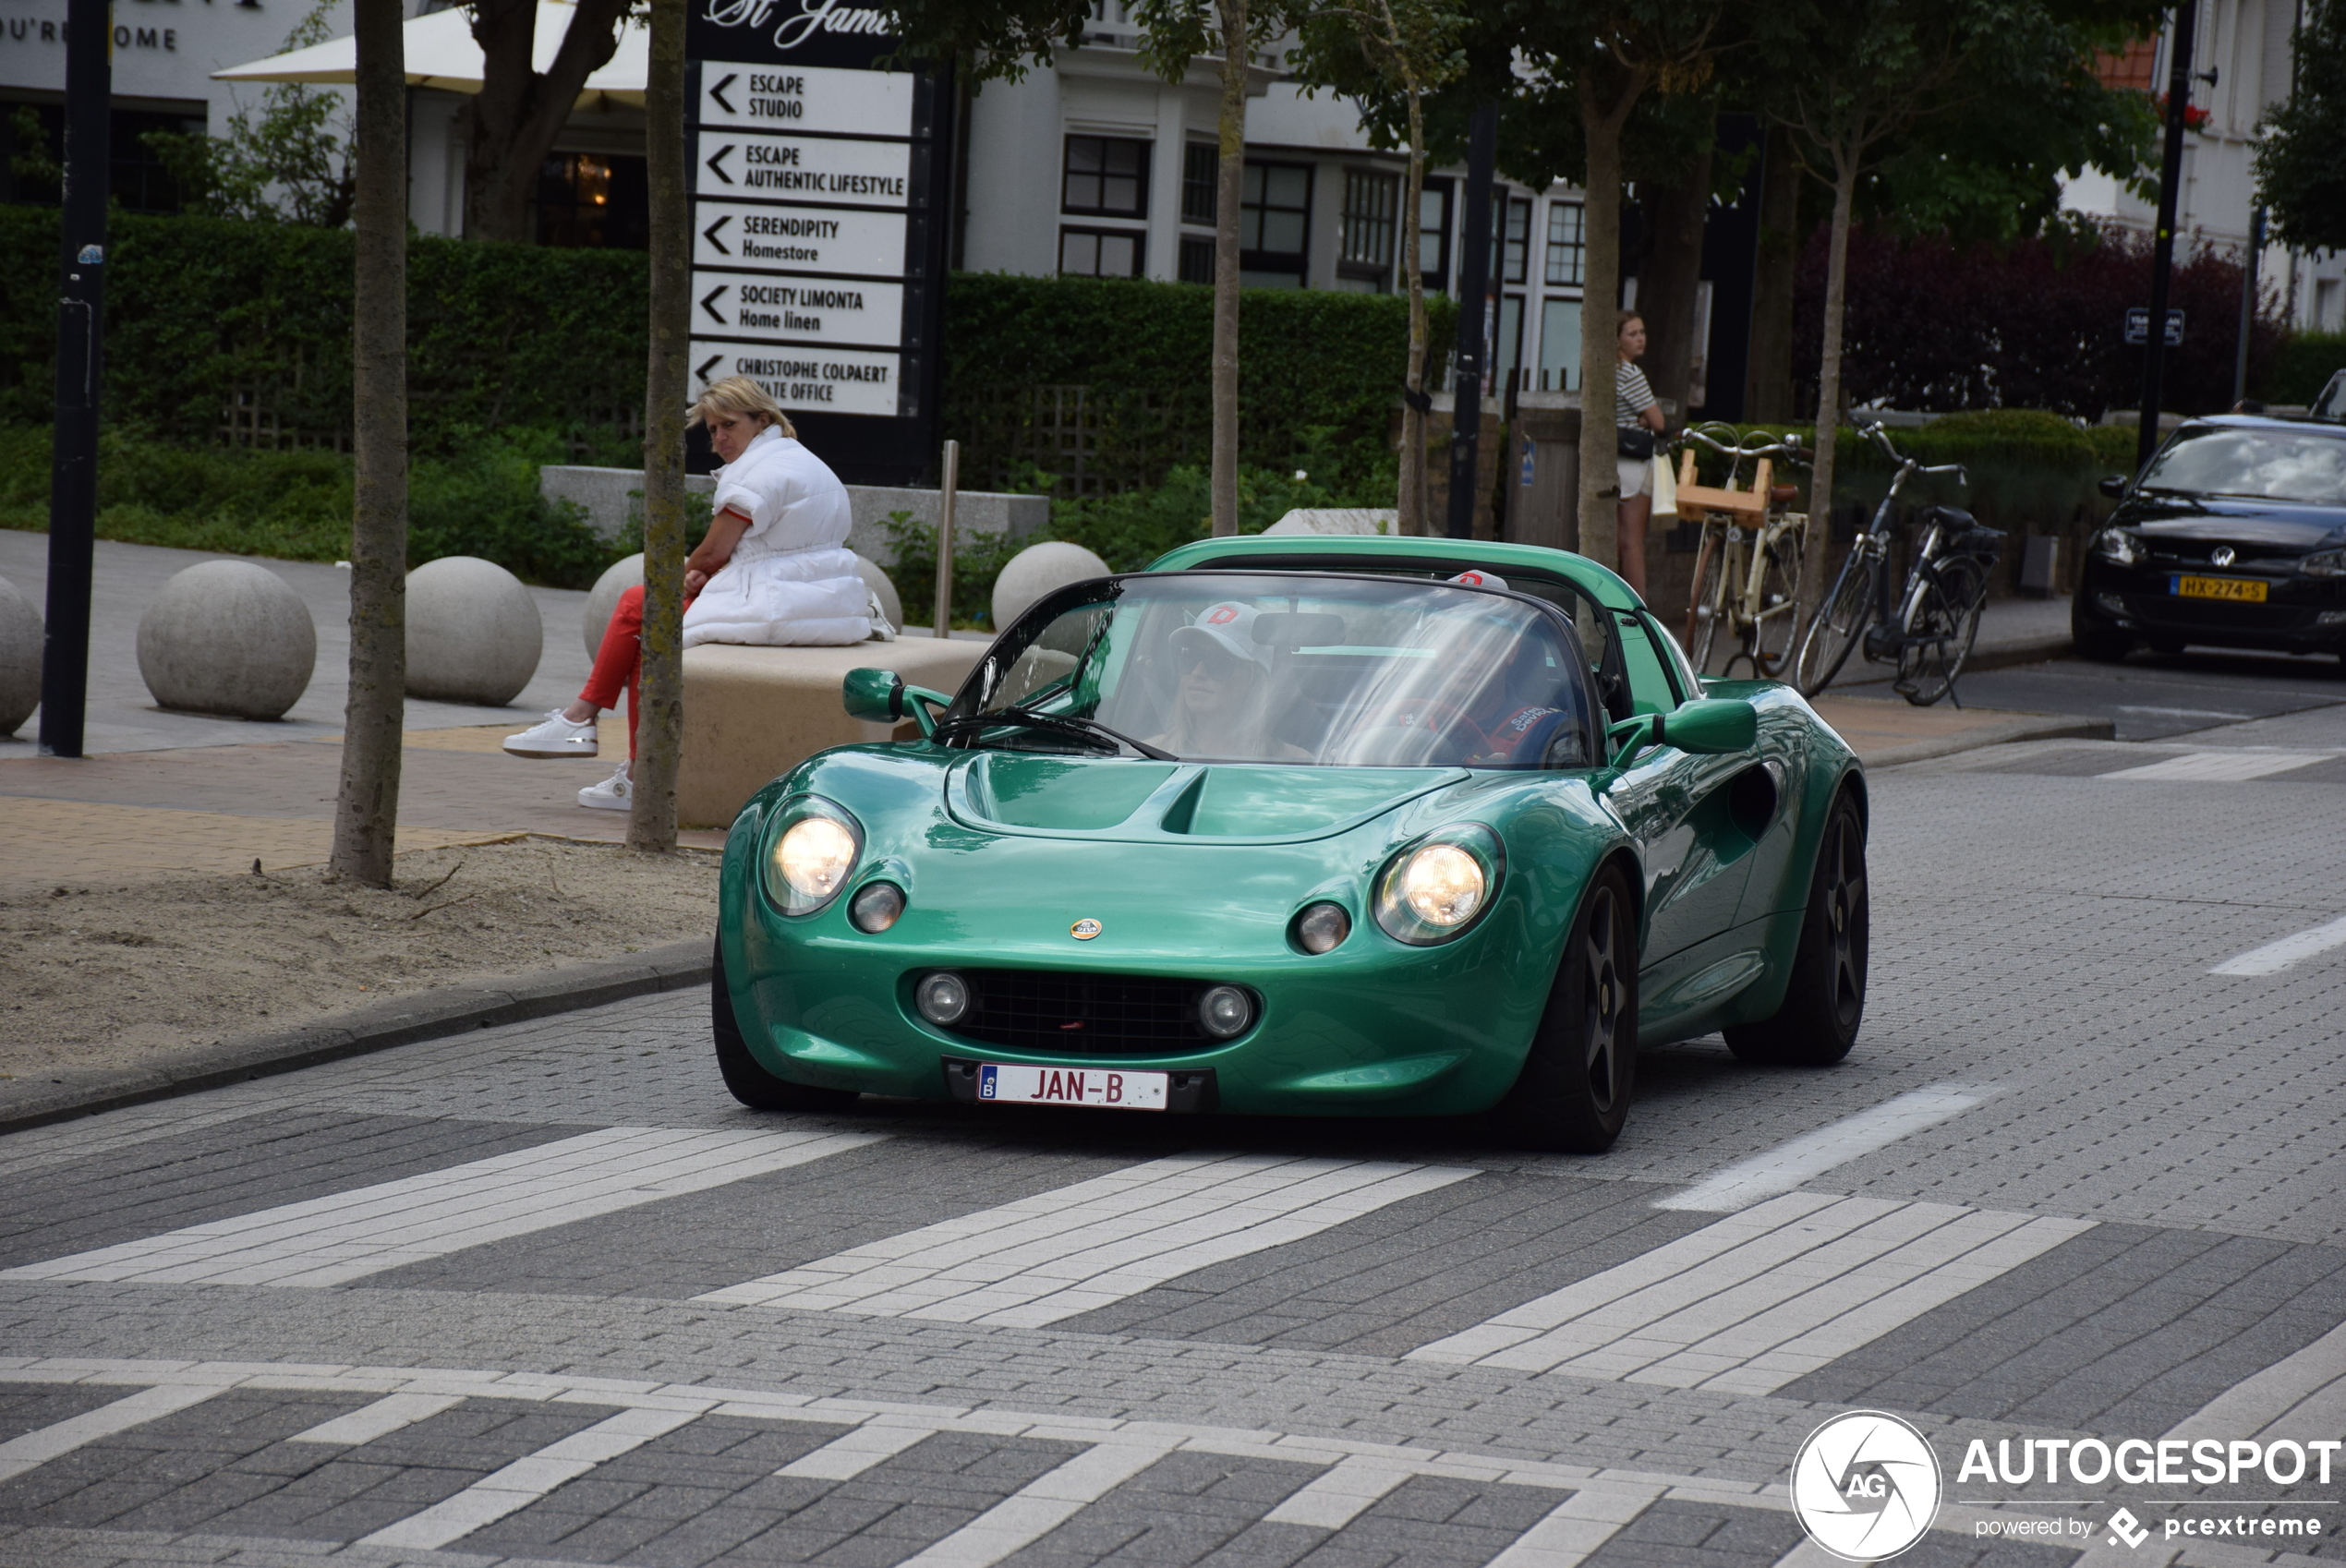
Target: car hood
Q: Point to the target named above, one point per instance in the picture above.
(2293, 527)
(1130, 800)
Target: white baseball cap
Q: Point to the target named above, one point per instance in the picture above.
(1230, 625)
(1475, 577)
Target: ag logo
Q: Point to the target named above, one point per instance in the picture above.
(1865, 1486)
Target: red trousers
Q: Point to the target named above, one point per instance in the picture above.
(618, 662)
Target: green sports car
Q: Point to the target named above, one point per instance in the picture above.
(1302, 825)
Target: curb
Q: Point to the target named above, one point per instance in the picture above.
(428, 1015)
(2050, 727)
(2005, 655)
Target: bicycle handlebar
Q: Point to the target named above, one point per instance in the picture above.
(1787, 448)
(1880, 438)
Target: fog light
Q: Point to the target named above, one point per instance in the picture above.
(1225, 1011)
(942, 997)
(2109, 604)
(2330, 618)
(1322, 928)
(876, 907)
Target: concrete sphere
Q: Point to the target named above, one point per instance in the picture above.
(228, 637)
(877, 579)
(19, 657)
(603, 597)
(1038, 570)
(474, 635)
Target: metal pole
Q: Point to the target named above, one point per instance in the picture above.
(2162, 263)
(1474, 286)
(943, 625)
(2247, 303)
(73, 474)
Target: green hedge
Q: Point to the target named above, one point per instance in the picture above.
(203, 313)
(2307, 362)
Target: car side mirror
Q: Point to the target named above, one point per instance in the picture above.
(875, 696)
(2114, 486)
(1709, 727)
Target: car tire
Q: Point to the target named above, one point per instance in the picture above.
(1825, 1002)
(750, 1084)
(2099, 643)
(1573, 1094)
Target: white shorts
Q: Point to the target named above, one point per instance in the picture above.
(1637, 476)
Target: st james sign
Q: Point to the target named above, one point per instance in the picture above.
(819, 215)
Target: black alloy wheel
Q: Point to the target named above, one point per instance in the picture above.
(1573, 1094)
(1825, 1002)
(750, 1084)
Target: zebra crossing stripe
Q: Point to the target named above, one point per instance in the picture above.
(2275, 956)
(844, 1458)
(381, 1419)
(1041, 1506)
(2303, 1392)
(35, 1448)
(1061, 1253)
(1759, 1299)
(2216, 767)
(528, 1479)
(1341, 1493)
(333, 1240)
(1576, 1527)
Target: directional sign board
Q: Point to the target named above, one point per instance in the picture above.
(2138, 326)
(818, 225)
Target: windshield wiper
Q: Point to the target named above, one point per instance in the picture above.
(1090, 730)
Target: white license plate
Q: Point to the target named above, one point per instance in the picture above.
(1106, 1088)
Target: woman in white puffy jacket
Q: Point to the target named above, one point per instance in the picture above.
(774, 570)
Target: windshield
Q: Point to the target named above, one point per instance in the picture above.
(2274, 465)
(1286, 668)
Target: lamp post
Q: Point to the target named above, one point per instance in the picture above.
(2162, 262)
(73, 473)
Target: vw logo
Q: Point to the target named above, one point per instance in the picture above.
(1865, 1486)
(2221, 556)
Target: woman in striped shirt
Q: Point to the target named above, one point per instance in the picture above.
(1634, 408)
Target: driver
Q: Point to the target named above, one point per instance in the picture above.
(1221, 705)
(1513, 711)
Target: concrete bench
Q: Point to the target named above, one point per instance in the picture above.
(751, 713)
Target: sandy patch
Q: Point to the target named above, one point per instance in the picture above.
(106, 973)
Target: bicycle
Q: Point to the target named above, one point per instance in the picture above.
(1929, 629)
(1747, 579)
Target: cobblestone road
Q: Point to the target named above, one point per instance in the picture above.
(544, 1294)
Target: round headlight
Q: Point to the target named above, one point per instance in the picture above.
(814, 856)
(942, 997)
(1442, 885)
(1322, 928)
(876, 907)
(1439, 888)
(1225, 1011)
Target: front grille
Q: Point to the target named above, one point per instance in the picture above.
(2164, 610)
(1084, 1015)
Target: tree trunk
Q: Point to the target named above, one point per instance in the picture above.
(1669, 287)
(1601, 120)
(1767, 394)
(517, 112)
(1411, 501)
(660, 728)
(367, 806)
(1228, 190)
(1844, 198)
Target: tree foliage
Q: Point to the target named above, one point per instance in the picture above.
(290, 161)
(2300, 175)
(987, 40)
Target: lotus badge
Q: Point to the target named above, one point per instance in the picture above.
(1084, 930)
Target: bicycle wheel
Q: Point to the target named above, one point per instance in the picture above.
(1840, 622)
(1708, 603)
(1940, 624)
(1777, 629)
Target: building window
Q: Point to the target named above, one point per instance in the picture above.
(1371, 210)
(1511, 237)
(1275, 211)
(1568, 253)
(587, 200)
(1197, 259)
(1201, 174)
(1433, 235)
(1101, 253)
(1559, 345)
(1106, 176)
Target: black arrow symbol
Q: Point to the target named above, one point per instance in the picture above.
(709, 234)
(717, 93)
(711, 295)
(717, 157)
(702, 374)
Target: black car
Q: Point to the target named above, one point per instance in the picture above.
(2233, 537)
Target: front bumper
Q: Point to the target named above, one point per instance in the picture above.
(2299, 614)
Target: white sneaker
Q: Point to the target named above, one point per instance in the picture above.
(613, 794)
(881, 631)
(553, 736)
